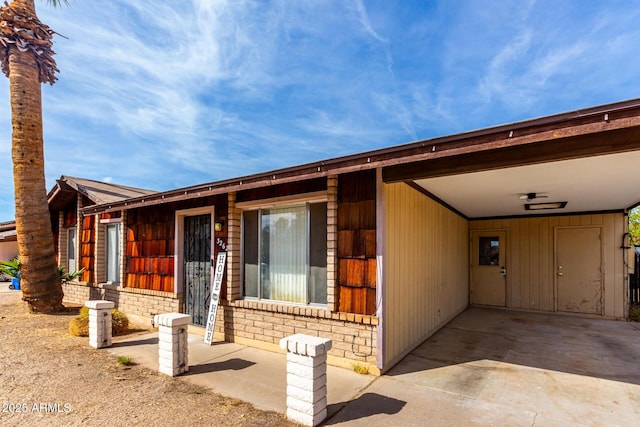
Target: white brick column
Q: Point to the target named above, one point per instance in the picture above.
(306, 378)
(99, 323)
(173, 343)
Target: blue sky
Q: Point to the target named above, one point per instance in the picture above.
(165, 94)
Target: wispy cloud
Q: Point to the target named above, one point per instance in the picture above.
(165, 94)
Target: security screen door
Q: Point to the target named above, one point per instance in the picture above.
(197, 267)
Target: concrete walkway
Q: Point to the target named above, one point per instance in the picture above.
(486, 367)
(246, 373)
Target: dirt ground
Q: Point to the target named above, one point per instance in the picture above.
(49, 377)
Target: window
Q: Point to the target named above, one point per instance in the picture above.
(112, 257)
(489, 250)
(71, 250)
(285, 253)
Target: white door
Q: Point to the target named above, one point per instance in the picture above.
(488, 267)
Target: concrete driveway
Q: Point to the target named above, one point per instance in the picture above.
(506, 368)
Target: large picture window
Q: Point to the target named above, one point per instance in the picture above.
(285, 253)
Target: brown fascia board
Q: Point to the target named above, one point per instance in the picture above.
(599, 119)
(6, 226)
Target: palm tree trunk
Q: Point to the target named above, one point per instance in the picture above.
(40, 281)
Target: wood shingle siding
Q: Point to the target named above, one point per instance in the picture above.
(150, 249)
(357, 242)
(87, 248)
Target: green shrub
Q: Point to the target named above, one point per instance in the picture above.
(79, 326)
(634, 313)
(360, 368)
(124, 361)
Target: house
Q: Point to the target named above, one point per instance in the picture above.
(8, 241)
(76, 241)
(378, 250)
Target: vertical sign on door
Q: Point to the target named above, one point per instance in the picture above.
(215, 296)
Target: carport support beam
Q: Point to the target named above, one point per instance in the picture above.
(99, 323)
(306, 378)
(173, 343)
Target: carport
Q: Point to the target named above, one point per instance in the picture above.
(546, 209)
(503, 367)
(542, 207)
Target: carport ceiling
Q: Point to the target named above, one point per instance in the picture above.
(599, 183)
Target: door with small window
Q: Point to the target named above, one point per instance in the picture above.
(488, 268)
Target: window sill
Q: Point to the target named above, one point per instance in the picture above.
(303, 310)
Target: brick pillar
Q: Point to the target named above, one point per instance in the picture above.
(79, 228)
(173, 343)
(63, 237)
(99, 255)
(306, 378)
(124, 231)
(233, 249)
(99, 323)
(332, 242)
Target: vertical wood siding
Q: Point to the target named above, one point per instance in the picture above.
(426, 268)
(530, 259)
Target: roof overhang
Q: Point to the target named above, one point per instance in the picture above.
(8, 231)
(592, 172)
(444, 165)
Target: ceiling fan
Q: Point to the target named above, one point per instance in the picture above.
(531, 196)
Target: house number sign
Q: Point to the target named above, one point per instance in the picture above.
(221, 262)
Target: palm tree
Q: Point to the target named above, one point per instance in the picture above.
(27, 60)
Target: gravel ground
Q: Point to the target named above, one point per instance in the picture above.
(49, 377)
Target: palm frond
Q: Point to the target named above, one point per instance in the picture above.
(56, 3)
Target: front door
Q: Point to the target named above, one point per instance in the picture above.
(197, 267)
(578, 270)
(488, 267)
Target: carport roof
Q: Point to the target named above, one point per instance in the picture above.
(581, 157)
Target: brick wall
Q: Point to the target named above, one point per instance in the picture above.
(76, 293)
(353, 335)
(249, 322)
(135, 302)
